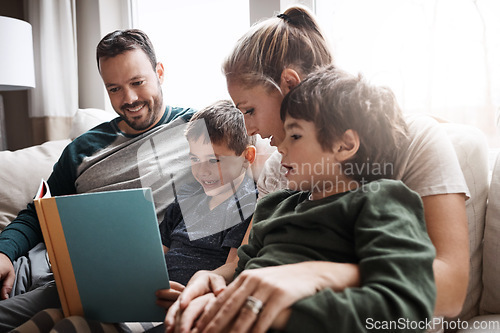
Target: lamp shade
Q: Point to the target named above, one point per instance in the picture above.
(17, 71)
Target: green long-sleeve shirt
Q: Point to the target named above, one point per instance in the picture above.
(105, 159)
(380, 226)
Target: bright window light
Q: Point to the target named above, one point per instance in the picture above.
(191, 39)
(438, 56)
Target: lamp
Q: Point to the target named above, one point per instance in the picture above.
(17, 69)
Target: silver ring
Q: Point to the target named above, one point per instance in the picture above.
(254, 304)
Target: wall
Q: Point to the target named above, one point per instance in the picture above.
(95, 19)
(260, 9)
(17, 121)
(91, 92)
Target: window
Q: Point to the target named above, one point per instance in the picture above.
(191, 39)
(438, 56)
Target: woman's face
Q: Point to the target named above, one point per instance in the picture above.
(261, 110)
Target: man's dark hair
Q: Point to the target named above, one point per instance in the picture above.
(336, 101)
(224, 124)
(120, 41)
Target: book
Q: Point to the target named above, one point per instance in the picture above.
(105, 252)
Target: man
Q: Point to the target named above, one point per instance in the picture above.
(137, 149)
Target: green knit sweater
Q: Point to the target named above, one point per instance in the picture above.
(380, 226)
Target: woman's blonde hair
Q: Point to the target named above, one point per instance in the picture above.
(290, 40)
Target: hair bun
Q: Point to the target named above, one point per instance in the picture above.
(285, 18)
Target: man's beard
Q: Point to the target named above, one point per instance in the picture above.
(151, 116)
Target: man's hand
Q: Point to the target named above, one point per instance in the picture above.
(7, 276)
(167, 297)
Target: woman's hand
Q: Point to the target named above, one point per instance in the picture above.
(277, 288)
(167, 297)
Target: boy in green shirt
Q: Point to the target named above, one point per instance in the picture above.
(342, 138)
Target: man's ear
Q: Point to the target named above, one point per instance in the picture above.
(348, 145)
(160, 71)
(250, 153)
(289, 80)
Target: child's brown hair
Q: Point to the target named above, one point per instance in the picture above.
(223, 123)
(336, 101)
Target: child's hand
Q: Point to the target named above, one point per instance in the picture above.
(186, 320)
(167, 297)
(188, 307)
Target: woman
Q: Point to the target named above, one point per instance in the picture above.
(267, 62)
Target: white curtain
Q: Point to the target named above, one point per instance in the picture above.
(54, 101)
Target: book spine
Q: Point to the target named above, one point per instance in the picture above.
(60, 261)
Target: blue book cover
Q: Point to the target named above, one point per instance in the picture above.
(106, 254)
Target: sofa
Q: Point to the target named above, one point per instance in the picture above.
(22, 170)
(481, 168)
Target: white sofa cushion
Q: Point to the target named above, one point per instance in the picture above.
(21, 173)
(22, 170)
(86, 119)
(490, 301)
(472, 151)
